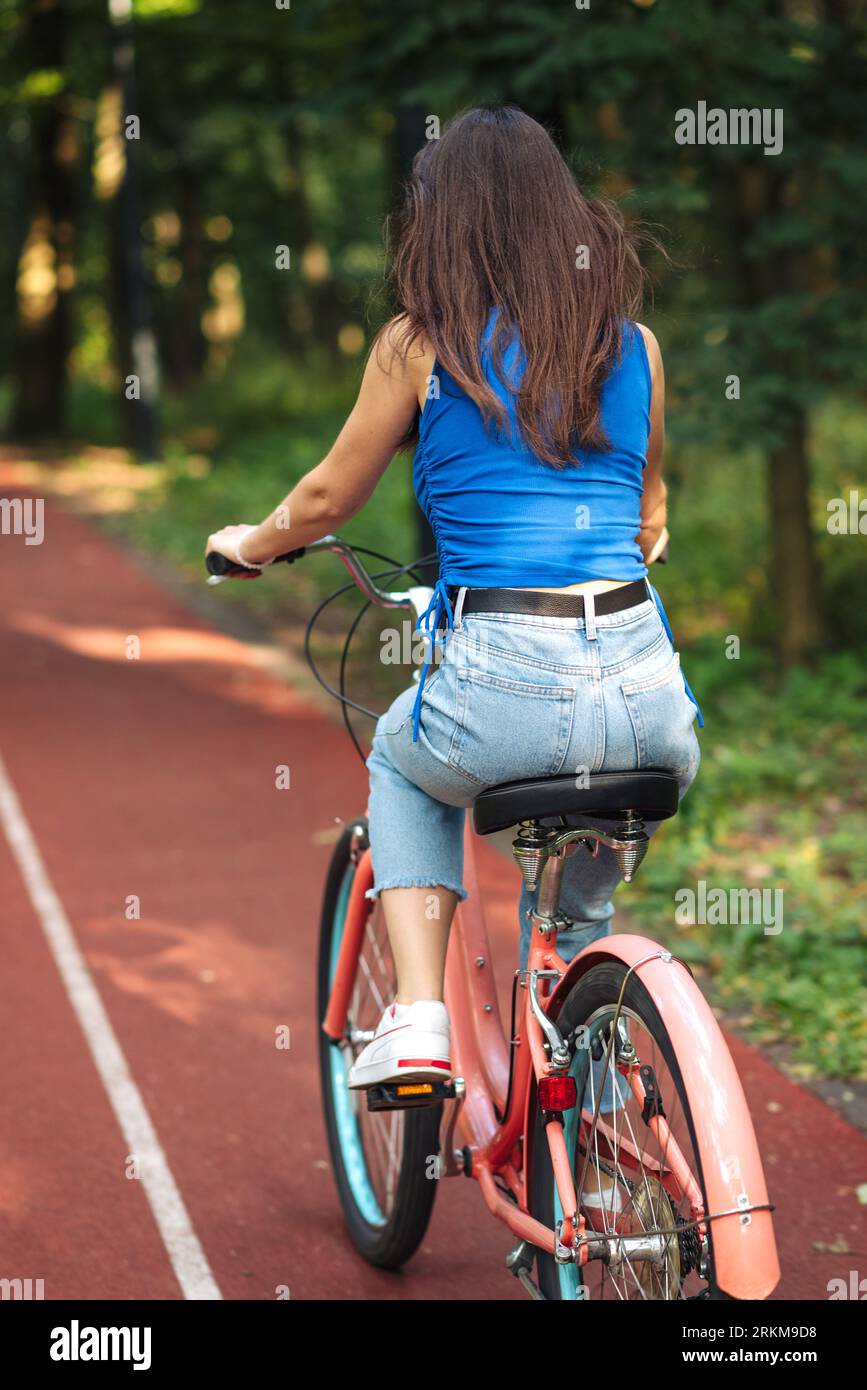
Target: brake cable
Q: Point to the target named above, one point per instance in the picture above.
(340, 694)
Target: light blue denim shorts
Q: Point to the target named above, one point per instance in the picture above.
(525, 695)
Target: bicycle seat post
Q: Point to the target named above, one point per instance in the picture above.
(548, 913)
(537, 848)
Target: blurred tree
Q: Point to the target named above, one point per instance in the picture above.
(45, 258)
(136, 343)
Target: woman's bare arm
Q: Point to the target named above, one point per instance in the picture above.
(338, 487)
(653, 535)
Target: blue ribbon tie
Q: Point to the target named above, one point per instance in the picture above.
(428, 623)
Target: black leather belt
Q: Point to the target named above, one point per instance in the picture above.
(551, 605)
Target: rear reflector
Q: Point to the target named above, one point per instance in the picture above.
(557, 1092)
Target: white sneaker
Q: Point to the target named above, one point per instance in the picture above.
(411, 1043)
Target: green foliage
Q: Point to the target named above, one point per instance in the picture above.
(779, 805)
(248, 469)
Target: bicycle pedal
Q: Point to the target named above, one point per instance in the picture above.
(407, 1095)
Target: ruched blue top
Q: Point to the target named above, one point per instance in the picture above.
(500, 516)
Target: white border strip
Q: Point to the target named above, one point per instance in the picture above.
(180, 1240)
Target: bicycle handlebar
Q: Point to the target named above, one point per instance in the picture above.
(418, 598)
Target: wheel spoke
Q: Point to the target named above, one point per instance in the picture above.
(366, 972)
(646, 1207)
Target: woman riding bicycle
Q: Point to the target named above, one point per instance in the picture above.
(537, 402)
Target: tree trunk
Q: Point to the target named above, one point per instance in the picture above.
(795, 578)
(794, 570)
(137, 348)
(183, 342)
(46, 259)
(310, 308)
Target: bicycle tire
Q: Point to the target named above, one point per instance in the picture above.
(387, 1240)
(599, 989)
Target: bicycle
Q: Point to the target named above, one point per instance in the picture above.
(614, 1067)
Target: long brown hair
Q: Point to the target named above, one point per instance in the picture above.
(492, 217)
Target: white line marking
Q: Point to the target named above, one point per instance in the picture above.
(187, 1257)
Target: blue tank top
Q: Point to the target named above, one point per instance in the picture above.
(500, 516)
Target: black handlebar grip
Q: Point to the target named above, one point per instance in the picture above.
(219, 564)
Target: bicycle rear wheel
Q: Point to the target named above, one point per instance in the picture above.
(653, 1168)
(384, 1163)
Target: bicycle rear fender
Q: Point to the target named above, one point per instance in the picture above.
(745, 1252)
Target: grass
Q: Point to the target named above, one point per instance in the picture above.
(779, 803)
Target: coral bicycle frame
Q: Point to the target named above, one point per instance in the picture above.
(497, 1083)
(496, 1096)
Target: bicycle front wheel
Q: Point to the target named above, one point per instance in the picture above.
(636, 1165)
(384, 1163)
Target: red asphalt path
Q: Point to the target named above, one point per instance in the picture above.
(155, 777)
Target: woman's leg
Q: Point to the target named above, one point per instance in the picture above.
(418, 940)
(417, 849)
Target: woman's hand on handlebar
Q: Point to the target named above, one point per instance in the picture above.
(225, 542)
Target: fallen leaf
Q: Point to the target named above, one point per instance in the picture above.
(838, 1246)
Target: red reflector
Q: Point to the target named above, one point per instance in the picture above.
(557, 1092)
